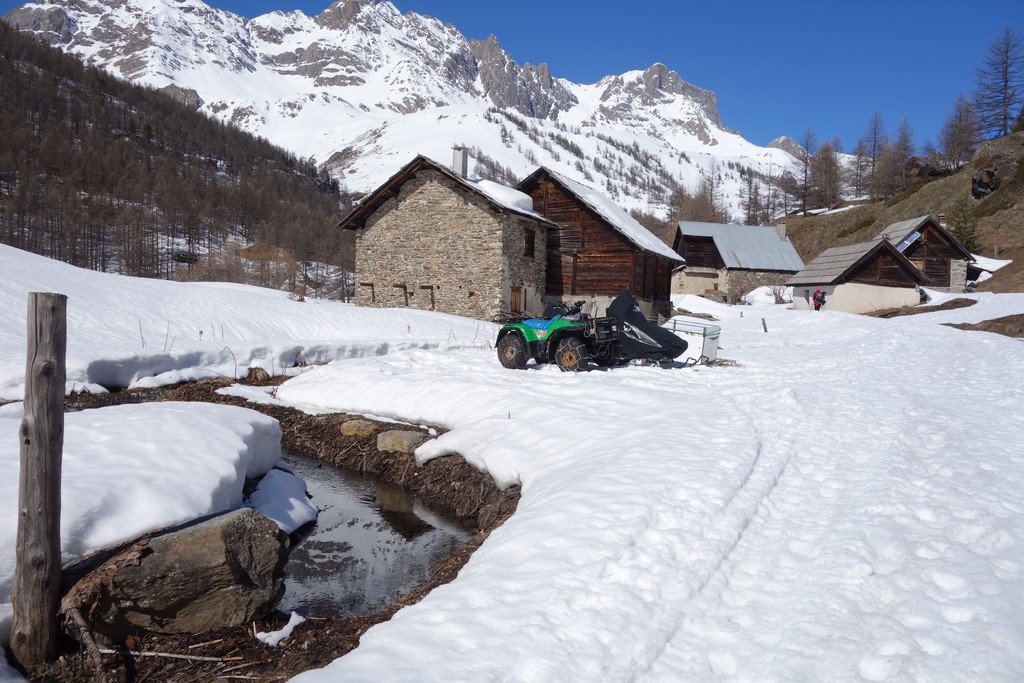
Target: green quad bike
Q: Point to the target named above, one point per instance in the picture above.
(571, 339)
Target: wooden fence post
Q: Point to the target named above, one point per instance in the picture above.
(37, 572)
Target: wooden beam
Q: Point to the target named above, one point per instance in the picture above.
(35, 592)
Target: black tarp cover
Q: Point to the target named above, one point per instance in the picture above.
(639, 338)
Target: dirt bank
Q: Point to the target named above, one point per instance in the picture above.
(235, 654)
(1011, 325)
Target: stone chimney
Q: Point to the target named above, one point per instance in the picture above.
(781, 229)
(460, 161)
(942, 220)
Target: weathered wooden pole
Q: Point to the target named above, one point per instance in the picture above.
(36, 589)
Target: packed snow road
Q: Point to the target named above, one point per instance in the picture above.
(843, 505)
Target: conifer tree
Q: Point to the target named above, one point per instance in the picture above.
(963, 224)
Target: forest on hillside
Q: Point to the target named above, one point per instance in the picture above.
(111, 176)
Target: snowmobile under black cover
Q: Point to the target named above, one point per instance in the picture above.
(638, 337)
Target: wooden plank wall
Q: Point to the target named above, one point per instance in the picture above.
(700, 252)
(884, 270)
(936, 255)
(587, 256)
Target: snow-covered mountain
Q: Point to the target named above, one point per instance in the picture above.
(362, 88)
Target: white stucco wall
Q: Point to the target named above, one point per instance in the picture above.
(857, 298)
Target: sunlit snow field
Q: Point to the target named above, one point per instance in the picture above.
(843, 503)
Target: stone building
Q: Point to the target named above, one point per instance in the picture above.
(725, 262)
(431, 239)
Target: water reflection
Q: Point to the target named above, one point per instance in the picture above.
(372, 542)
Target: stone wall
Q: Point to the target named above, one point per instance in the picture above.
(697, 280)
(525, 272)
(957, 276)
(724, 285)
(742, 282)
(439, 246)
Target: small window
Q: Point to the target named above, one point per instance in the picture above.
(373, 293)
(531, 242)
(429, 289)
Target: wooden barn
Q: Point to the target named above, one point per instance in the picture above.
(432, 239)
(859, 278)
(599, 250)
(726, 261)
(933, 250)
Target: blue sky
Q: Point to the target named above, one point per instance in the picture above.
(778, 67)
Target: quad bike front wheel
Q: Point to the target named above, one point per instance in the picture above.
(512, 352)
(571, 355)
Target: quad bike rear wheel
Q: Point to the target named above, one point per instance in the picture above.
(512, 352)
(609, 359)
(571, 355)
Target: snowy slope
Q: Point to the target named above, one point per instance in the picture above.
(154, 333)
(842, 504)
(820, 512)
(364, 88)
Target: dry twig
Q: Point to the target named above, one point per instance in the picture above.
(90, 645)
(171, 655)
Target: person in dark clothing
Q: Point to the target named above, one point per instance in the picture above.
(818, 299)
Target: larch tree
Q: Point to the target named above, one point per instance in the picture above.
(999, 91)
(873, 142)
(959, 135)
(826, 175)
(808, 146)
(857, 172)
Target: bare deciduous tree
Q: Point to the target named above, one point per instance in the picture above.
(999, 92)
(826, 175)
(874, 142)
(808, 143)
(959, 135)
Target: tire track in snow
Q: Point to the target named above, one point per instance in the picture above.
(729, 527)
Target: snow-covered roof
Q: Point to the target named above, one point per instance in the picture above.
(617, 217)
(990, 265)
(752, 247)
(500, 196)
(506, 196)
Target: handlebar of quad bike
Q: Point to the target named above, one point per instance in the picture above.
(565, 309)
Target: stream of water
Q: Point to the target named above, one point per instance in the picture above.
(372, 542)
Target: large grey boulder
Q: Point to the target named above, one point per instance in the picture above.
(994, 163)
(399, 441)
(221, 572)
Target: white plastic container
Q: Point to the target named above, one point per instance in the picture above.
(701, 339)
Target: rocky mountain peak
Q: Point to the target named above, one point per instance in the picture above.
(340, 15)
(788, 145)
(530, 90)
(368, 86)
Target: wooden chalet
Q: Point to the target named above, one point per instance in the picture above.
(599, 250)
(725, 261)
(859, 278)
(933, 250)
